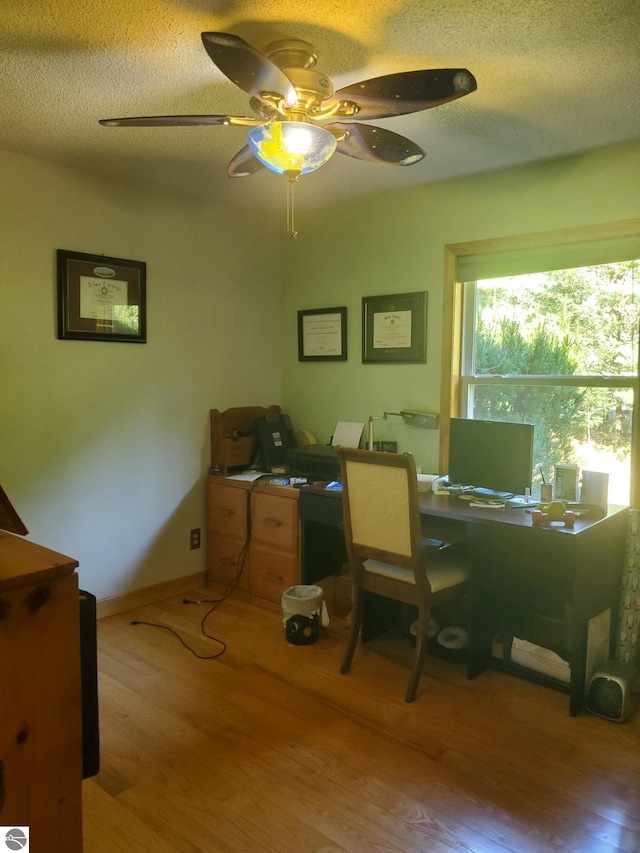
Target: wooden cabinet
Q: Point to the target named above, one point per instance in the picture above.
(40, 695)
(274, 551)
(253, 527)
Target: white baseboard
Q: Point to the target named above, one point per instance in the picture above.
(150, 594)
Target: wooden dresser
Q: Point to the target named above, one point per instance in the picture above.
(40, 695)
(253, 529)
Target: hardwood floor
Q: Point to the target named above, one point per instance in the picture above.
(268, 748)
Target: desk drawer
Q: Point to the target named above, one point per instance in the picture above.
(272, 572)
(227, 511)
(275, 521)
(225, 558)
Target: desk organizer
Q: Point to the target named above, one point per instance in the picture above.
(233, 436)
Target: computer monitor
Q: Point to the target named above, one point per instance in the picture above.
(491, 455)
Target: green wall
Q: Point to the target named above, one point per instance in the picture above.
(394, 244)
(104, 447)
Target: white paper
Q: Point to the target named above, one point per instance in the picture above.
(248, 476)
(347, 434)
(540, 659)
(391, 329)
(322, 334)
(99, 296)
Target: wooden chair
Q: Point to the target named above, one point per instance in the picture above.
(385, 546)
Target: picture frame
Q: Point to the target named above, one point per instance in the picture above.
(101, 298)
(394, 328)
(565, 485)
(322, 334)
(595, 489)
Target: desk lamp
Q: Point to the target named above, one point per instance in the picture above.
(410, 418)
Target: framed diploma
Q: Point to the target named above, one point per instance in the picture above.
(322, 334)
(101, 298)
(394, 328)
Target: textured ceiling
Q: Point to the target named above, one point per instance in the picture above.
(554, 77)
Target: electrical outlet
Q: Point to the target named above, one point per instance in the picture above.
(194, 538)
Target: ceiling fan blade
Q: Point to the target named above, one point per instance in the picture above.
(244, 164)
(180, 121)
(406, 92)
(375, 144)
(248, 68)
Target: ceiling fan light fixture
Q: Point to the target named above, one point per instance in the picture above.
(291, 146)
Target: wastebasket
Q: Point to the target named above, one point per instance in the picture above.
(303, 610)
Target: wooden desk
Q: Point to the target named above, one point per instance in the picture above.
(40, 695)
(541, 584)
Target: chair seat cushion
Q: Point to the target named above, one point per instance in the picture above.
(443, 571)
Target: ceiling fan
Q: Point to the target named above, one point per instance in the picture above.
(300, 121)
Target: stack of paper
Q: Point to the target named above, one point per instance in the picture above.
(540, 660)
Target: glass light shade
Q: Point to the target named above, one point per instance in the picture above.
(291, 146)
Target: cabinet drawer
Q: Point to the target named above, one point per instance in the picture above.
(224, 557)
(272, 572)
(227, 511)
(275, 521)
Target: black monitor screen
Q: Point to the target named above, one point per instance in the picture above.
(493, 455)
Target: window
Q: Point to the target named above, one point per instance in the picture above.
(558, 349)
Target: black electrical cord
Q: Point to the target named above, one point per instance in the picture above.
(231, 585)
(186, 645)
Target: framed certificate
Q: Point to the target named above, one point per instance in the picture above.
(322, 334)
(101, 298)
(394, 328)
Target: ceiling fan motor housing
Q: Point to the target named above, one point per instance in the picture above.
(297, 59)
(312, 87)
(292, 53)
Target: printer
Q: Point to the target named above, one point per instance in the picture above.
(315, 462)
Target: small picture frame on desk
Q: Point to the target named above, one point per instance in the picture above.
(566, 482)
(595, 489)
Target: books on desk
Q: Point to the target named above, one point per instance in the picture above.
(472, 500)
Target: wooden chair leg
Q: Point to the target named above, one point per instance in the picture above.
(419, 653)
(356, 619)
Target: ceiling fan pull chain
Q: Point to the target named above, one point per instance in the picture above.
(292, 177)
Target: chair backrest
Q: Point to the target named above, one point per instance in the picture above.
(380, 499)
